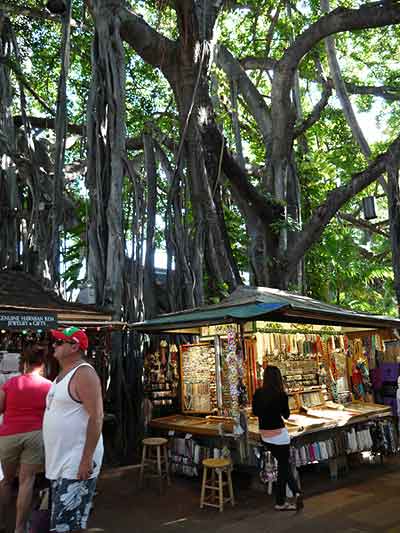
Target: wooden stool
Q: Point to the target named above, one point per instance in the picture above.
(216, 483)
(155, 459)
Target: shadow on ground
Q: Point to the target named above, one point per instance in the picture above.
(366, 500)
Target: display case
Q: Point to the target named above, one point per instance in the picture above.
(161, 380)
(198, 378)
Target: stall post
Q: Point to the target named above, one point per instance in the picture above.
(218, 351)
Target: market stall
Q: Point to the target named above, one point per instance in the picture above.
(328, 357)
(28, 311)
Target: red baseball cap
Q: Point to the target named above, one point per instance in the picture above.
(72, 334)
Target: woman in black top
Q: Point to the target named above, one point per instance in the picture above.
(271, 406)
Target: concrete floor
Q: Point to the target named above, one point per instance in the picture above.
(366, 500)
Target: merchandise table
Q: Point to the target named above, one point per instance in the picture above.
(328, 433)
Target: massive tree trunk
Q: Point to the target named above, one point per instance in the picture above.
(184, 63)
(188, 75)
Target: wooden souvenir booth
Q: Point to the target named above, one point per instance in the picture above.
(330, 358)
(28, 311)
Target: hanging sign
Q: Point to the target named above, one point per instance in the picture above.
(33, 320)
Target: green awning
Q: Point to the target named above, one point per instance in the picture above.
(208, 316)
(249, 303)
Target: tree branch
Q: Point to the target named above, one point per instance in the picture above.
(44, 123)
(22, 80)
(257, 106)
(315, 114)
(388, 92)
(392, 94)
(32, 12)
(231, 5)
(363, 224)
(336, 199)
(344, 99)
(152, 47)
(258, 63)
(338, 20)
(264, 208)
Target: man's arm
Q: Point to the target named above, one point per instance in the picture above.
(85, 387)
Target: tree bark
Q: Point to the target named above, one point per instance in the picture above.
(181, 283)
(394, 217)
(61, 120)
(344, 99)
(8, 178)
(106, 146)
(149, 277)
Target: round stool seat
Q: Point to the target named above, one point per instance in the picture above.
(217, 463)
(155, 441)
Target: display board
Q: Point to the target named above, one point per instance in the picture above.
(198, 380)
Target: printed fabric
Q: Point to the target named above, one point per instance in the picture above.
(71, 504)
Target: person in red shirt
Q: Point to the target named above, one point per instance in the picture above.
(23, 402)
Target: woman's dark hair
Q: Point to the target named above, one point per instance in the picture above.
(272, 379)
(34, 355)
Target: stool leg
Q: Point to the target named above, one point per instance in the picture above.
(142, 466)
(230, 487)
(166, 465)
(220, 491)
(203, 487)
(214, 495)
(159, 469)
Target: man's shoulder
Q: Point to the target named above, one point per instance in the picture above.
(85, 373)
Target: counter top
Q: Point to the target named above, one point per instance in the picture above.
(324, 417)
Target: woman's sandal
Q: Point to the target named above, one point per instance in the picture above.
(285, 507)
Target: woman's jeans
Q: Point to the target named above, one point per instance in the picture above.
(285, 474)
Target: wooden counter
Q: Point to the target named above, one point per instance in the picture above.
(321, 418)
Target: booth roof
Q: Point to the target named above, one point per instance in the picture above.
(261, 303)
(22, 292)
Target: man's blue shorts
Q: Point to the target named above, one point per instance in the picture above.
(71, 503)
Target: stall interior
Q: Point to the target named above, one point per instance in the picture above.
(13, 342)
(331, 377)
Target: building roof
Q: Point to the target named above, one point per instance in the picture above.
(21, 292)
(262, 303)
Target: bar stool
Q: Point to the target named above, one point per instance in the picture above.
(216, 485)
(155, 460)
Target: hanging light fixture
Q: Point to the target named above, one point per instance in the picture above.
(368, 205)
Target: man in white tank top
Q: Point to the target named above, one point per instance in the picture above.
(72, 433)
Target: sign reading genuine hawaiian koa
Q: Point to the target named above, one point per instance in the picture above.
(32, 320)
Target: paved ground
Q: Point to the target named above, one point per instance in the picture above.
(366, 500)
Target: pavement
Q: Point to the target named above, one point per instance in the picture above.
(365, 500)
